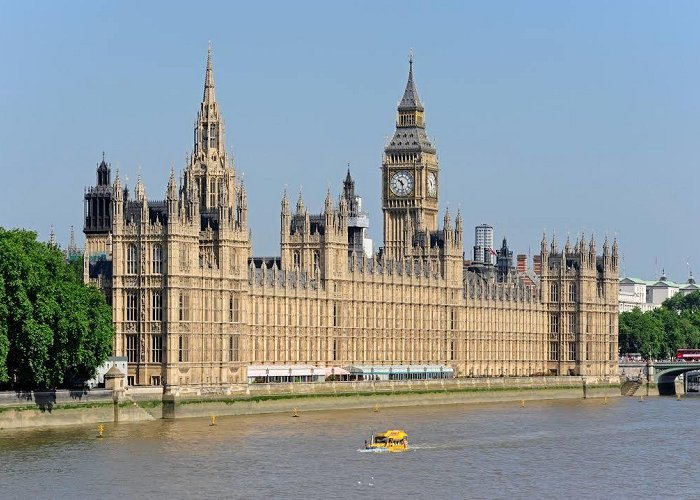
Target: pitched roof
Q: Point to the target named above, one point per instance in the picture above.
(410, 100)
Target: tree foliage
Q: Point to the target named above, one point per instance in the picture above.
(661, 332)
(54, 330)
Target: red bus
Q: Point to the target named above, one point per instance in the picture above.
(688, 355)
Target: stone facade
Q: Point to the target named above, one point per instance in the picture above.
(193, 306)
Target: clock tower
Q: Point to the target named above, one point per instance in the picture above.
(409, 177)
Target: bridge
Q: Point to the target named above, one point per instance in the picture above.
(661, 373)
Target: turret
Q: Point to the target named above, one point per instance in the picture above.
(300, 204)
(242, 208)
(118, 199)
(458, 229)
(171, 196)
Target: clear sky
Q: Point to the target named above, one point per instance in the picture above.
(566, 116)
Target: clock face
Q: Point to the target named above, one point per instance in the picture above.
(401, 183)
(432, 185)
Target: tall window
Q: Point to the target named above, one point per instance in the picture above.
(234, 309)
(183, 348)
(157, 306)
(553, 324)
(554, 292)
(572, 323)
(131, 259)
(157, 259)
(572, 351)
(132, 306)
(157, 348)
(184, 256)
(131, 348)
(554, 351)
(573, 292)
(233, 348)
(184, 306)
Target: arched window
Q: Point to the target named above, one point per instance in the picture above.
(131, 259)
(157, 259)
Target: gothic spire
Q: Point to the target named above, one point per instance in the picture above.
(410, 100)
(209, 92)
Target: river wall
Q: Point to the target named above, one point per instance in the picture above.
(56, 408)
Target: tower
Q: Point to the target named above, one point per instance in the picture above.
(209, 166)
(409, 175)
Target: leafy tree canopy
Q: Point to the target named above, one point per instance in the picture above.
(661, 332)
(54, 330)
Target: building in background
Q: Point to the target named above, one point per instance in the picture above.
(483, 245)
(647, 295)
(194, 309)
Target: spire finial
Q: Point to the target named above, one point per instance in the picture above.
(410, 100)
(209, 95)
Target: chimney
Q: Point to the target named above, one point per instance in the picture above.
(521, 266)
(537, 264)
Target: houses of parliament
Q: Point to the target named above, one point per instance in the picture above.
(192, 306)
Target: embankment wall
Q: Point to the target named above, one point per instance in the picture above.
(137, 404)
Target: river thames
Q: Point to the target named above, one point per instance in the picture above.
(548, 449)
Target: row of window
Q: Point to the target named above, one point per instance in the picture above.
(573, 351)
(132, 306)
(554, 289)
(132, 260)
(211, 309)
(183, 348)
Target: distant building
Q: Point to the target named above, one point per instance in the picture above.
(650, 294)
(483, 244)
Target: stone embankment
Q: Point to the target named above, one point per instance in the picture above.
(56, 408)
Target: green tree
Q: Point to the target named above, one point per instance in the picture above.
(640, 332)
(54, 330)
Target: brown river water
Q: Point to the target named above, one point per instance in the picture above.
(557, 449)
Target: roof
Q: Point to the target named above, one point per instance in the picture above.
(410, 100)
(396, 434)
(385, 369)
(636, 281)
(283, 370)
(665, 284)
(410, 139)
(114, 372)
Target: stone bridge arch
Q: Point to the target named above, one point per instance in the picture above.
(665, 376)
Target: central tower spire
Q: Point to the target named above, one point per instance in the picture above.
(209, 93)
(209, 166)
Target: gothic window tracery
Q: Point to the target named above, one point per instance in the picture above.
(157, 259)
(131, 259)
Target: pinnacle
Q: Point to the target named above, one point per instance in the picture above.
(209, 93)
(410, 100)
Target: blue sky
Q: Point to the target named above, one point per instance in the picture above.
(565, 116)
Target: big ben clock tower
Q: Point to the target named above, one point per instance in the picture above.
(409, 176)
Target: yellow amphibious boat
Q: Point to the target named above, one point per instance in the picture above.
(394, 440)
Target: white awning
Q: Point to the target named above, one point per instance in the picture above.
(284, 371)
(335, 370)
